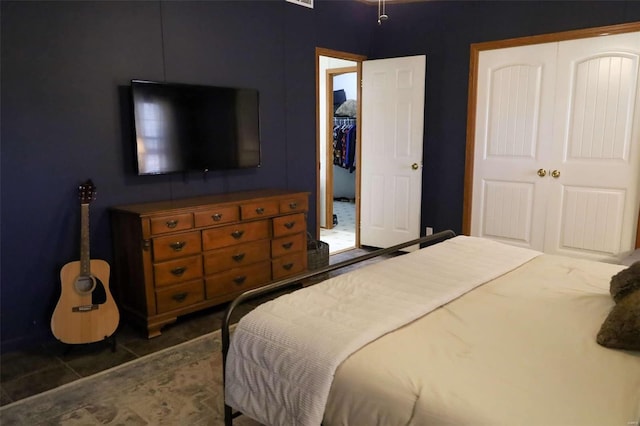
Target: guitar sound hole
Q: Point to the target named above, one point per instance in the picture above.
(89, 284)
(85, 284)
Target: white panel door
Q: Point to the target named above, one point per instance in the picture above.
(513, 121)
(391, 150)
(594, 198)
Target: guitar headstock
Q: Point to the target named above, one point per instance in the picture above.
(87, 192)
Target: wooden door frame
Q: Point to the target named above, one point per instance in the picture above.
(320, 51)
(330, 74)
(638, 233)
(476, 48)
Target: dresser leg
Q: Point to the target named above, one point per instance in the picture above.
(154, 330)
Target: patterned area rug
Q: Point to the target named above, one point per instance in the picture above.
(181, 385)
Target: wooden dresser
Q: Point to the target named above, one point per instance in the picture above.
(176, 257)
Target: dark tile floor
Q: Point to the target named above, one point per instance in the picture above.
(54, 364)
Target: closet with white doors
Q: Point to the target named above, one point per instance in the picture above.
(556, 153)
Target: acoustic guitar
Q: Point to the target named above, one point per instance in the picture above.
(86, 311)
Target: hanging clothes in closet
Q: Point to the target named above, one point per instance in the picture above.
(344, 142)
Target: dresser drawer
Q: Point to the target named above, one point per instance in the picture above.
(179, 296)
(289, 244)
(171, 223)
(294, 205)
(225, 236)
(235, 256)
(259, 209)
(178, 245)
(175, 271)
(290, 224)
(237, 279)
(290, 264)
(217, 216)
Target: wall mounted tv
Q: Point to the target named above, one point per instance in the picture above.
(182, 127)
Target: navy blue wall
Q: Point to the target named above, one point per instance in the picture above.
(65, 71)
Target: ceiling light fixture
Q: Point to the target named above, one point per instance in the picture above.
(382, 11)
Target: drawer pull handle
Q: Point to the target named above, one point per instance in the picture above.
(238, 257)
(239, 280)
(179, 297)
(237, 234)
(179, 271)
(289, 225)
(178, 245)
(287, 246)
(259, 210)
(216, 217)
(293, 206)
(287, 266)
(172, 223)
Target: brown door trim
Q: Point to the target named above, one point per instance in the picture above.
(638, 233)
(320, 51)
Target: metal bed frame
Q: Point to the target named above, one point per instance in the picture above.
(229, 414)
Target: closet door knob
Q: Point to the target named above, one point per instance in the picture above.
(415, 166)
(555, 174)
(542, 172)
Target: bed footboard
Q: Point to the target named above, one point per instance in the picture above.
(229, 415)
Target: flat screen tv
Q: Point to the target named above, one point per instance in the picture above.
(182, 127)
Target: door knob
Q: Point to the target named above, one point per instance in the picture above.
(555, 174)
(542, 172)
(415, 166)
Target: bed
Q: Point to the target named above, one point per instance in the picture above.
(465, 331)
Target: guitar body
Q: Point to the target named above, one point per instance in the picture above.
(85, 315)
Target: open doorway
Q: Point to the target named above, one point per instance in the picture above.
(338, 94)
(388, 152)
(339, 228)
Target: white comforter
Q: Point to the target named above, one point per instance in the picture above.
(284, 354)
(519, 350)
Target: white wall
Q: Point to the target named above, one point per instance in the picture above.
(348, 83)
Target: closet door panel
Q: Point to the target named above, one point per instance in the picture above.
(508, 211)
(592, 219)
(513, 116)
(593, 196)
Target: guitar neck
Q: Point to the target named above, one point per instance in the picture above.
(85, 257)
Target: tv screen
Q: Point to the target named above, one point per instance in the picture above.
(181, 127)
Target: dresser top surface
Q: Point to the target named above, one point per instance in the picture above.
(193, 202)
